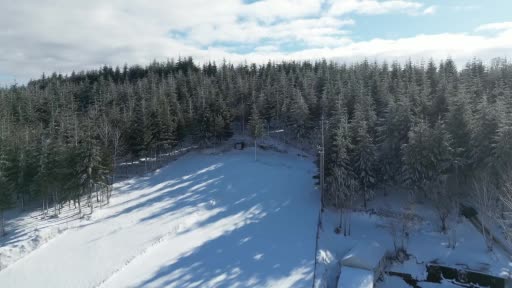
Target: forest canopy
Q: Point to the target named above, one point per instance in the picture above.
(430, 127)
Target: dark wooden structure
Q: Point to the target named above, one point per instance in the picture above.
(239, 145)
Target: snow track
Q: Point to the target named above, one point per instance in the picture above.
(203, 221)
(151, 247)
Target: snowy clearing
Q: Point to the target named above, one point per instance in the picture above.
(425, 243)
(220, 220)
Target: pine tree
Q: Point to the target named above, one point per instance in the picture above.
(46, 178)
(21, 169)
(6, 202)
(135, 130)
(427, 162)
(255, 126)
(14, 171)
(341, 182)
(218, 128)
(298, 115)
(70, 173)
(5, 195)
(502, 144)
(91, 174)
(484, 133)
(364, 152)
(392, 134)
(427, 156)
(459, 125)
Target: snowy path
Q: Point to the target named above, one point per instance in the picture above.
(203, 221)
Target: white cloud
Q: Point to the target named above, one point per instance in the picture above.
(460, 47)
(269, 10)
(267, 48)
(373, 7)
(61, 35)
(430, 10)
(324, 31)
(500, 26)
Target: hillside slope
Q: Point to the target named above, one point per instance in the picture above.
(203, 221)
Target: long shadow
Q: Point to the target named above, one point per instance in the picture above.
(174, 189)
(176, 171)
(266, 247)
(259, 243)
(13, 236)
(16, 231)
(262, 250)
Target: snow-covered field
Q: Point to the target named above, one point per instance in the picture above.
(222, 220)
(425, 242)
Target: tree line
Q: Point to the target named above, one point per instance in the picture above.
(424, 126)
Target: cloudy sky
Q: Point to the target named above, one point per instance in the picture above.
(39, 36)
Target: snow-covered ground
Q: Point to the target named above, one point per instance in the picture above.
(425, 242)
(221, 220)
(218, 218)
(30, 230)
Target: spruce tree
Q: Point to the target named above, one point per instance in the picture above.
(46, 178)
(298, 116)
(502, 144)
(91, 174)
(392, 133)
(459, 126)
(6, 201)
(427, 162)
(341, 182)
(364, 158)
(135, 131)
(484, 133)
(255, 126)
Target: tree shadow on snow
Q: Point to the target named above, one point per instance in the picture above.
(259, 246)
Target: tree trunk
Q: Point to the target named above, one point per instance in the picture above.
(55, 202)
(341, 219)
(483, 233)
(79, 206)
(113, 170)
(254, 150)
(2, 224)
(90, 197)
(349, 224)
(364, 198)
(146, 163)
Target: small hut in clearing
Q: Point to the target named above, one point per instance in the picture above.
(362, 265)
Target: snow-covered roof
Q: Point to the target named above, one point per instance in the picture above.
(355, 278)
(365, 255)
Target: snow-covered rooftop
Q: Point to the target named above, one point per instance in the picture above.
(355, 278)
(365, 255)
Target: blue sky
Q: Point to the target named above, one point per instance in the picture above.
(63, 35)
(451, 16)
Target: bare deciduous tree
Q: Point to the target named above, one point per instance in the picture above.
(506, 198)
(400, 228)
(484, 196)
